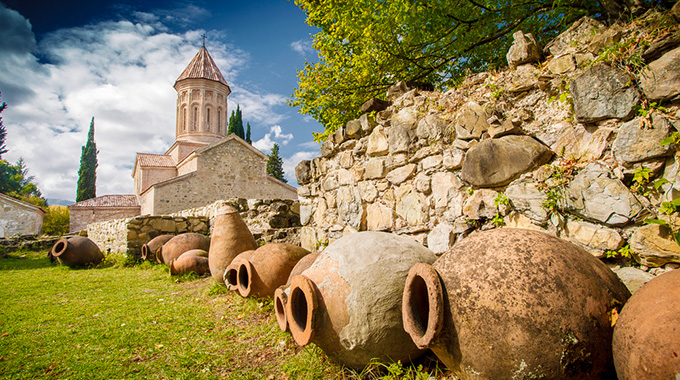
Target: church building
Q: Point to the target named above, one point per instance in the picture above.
(204, 164)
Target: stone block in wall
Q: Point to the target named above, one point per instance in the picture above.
(653, 246)
(375, 168)
(303, 172)
(582, 143)
(603, 92)
(594, 238)
(374, 105)
(327, 148)
(481, 205)
(411, 206)
(353, 129)
(401, 138)
(524, 49)
(401, 174)
(471, 122)
(163, 224)
(367, 191)
(367, 123)
(377, 143)
(636, 141)
(661, 78)
(379, 217)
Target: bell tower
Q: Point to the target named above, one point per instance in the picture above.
(201, 101)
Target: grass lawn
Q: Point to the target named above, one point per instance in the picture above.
(117, 322)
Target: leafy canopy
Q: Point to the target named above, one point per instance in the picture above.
(275, 164)
(364, 46)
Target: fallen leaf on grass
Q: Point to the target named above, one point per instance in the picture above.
(5, 334)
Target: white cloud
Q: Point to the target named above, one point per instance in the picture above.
(291, 162)
(275, 135)
(303, 47)
(121, 73)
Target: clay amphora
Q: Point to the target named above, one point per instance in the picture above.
(348, 302)
(149, 249)
(182, 243)
(267, 268)
(231, 274)
(229, 238)
(647, 334)
(281, 293)
(77, 251)
(192, 261)
(512, 303)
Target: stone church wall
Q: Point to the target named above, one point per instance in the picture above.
(553, 146)
(81, 217)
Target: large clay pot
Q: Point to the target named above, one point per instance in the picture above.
(152, 246)
(77, 251)
(229, 238)
(647, 334)
(268, 268)
(230, 277)
(348, 302)
(282, 292)
(179, 244)
(511, 303)
(192, 261)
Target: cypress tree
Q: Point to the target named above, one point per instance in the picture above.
(232, 123)
(275, 164)
(238, 123)
(87, 175)
(248, 140)
(3, 132)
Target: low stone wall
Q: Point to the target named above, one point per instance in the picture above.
(268, 220)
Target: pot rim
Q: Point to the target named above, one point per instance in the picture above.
(280, 301)
(244, 278)
(59, 247)
(423, 305)
(300, 308)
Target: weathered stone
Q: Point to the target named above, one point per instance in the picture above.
(422, 183)
(308, 239)
(661, 46)
(675, 11)
(527, 199)
(453, 159)
(432, 162)
(524, 78)
(444, 187)
(595, 239)
(603, 92)
(401, 137)
(339, 136)
(327, 148)
(426, 151)
(431, 127)
(517, 220)
(374, 104)
(524, 49)
(579, 34)
(441, 238)
(411, 206)
(377, 143)
(353, 129)
(481, 205)
(345, 159)
(396, 90)
(464, 144)
(367, 123)
(303, 172)
(375, 168)
(408, 118)
(633, 277)
(305, 214)
(609, 37)
(379, 217)
(367, 191)
(637, 142)
(653, 246)
(164, 225)
(507, 127)
(330, 183)
(396, 160)
(496, 162)
(471, 122)
(661, 78)
(350, 209)
(401, 174)
(596, 196)
(345, 177)
(577, 142)
(562, 64)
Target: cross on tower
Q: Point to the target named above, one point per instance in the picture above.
(204, 37)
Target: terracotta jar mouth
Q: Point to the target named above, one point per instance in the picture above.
(230, 277)
(159, 256)
(244, 278)
(300, 308)
(280, 300)
(60, 247)
(423, 305)
(145, 251)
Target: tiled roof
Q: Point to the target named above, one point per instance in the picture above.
(155, 160)
(202, 67)
(124, 200)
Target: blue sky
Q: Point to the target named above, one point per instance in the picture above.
(61, 63)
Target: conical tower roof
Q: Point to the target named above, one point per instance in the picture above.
(202, 67)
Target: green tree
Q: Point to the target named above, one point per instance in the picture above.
(56, 221)
(275, 164)
(15, 182)
(236, 123)
(87, 174)
(248, 140)
(3, 132)
(364, 46)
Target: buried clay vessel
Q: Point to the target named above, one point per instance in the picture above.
(281, 293)
(267, 268)
(181, 243)
(230, 237)
(77, 251)
(192, 261)
(348, 302)
(152, 246)
(230, 276)
(511, 303)
(646, 341)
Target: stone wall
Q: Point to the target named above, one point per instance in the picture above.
(268, 220)
(552, 145)
(18, 218)
(82, 216)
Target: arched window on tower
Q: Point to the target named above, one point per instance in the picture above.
(207, 120)
(219, 120)
(194, 124)
(184, 118)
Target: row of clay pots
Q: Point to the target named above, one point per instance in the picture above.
(183, 253)
(77, 251)
(153, 246)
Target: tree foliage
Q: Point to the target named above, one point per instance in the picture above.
(15, 182)
(236, 123)
(87, 174)
(56, 221)
(364, 46)
(248, 139)
(3, 132)
(275, 164)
